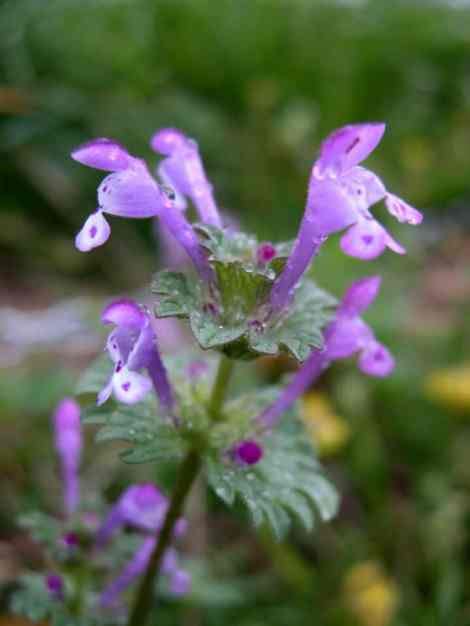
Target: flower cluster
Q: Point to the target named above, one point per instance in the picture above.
(142, 507)
(340, 195)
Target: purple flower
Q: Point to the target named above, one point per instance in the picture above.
(134, 568)
(55, 586)
(68, 443)
(247, 452)
(142, 506)
(132, 346)
(182, 170)
(131, 191)
(346, 335)
(340, 195)
(179, 580)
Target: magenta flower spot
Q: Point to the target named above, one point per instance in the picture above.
(182, 171)
(180, 583)
(265, 253)
(340, 196)
(345, 336)
(132, 346)
(248, 452)
(211, 309)
(55, 586)
(68, 443)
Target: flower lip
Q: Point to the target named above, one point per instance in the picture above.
(102, 154)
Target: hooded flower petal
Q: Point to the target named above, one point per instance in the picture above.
(365, 240)
(102, 154)
(376, 360)
(130, 387)
(164, 171)
(402, 211)
(167, 140)
(124, 313)
(131, 192)
(95, 232)
(183, 168)
(360, 295)
(347, 147)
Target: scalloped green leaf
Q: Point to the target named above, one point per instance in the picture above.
(176, 295)
(288, 482)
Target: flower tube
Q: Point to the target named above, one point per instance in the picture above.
(346, 335)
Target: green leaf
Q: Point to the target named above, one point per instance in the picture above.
(287, 482)
(176, 296)
(43, 528)
(300, 331)
(95, 377)
(151, 436)
(212, 333)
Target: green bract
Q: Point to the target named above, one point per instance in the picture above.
(233, 316)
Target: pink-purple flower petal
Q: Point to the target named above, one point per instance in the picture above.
(347, 147)
(365, 240)
(131, 192)
(376, 360)
(95, 232)
(402, 211)
(102, 154)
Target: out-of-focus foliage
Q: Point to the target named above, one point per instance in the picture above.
(258, 84)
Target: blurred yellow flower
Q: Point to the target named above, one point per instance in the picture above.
(370, 595)
(450, 387)
(328, 431)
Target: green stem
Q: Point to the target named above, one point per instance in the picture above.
(145, 594)
(186, 477)
(220, 387)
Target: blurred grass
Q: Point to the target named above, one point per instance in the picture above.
(259, 84)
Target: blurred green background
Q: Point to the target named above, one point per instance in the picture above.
(258, 83)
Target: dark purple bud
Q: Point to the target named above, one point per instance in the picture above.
(265, 253)
(248, 452)
(71, 540)
(55, 586)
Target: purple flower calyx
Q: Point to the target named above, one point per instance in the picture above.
(340, 195)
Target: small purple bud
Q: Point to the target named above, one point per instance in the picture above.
(55, 586)
(248, 452)
(71, 540)
(265, 253)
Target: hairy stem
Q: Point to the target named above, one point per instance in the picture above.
(220, 387)
(186, 476)
(145, 594)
